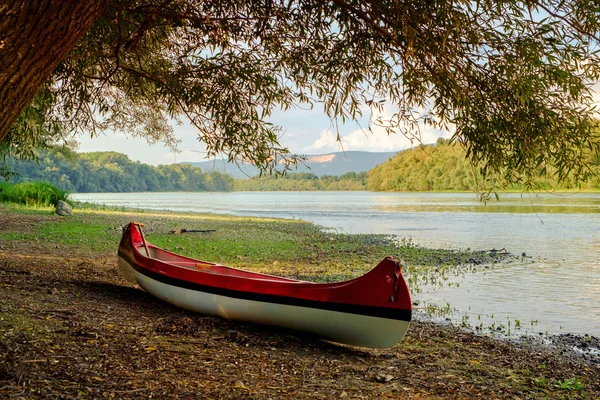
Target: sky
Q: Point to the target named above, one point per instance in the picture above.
(305, 132)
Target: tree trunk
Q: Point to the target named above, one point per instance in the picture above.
(35, 35)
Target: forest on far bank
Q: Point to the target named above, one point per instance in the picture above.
(443, 166)
(438, 167)
(304, 182)
(112, 172)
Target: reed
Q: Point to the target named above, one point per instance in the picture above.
(35, 194)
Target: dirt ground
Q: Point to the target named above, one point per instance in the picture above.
(70, 327)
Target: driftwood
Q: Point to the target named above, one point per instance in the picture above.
(183, 230)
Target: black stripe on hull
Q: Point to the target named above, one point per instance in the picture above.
(379, 312)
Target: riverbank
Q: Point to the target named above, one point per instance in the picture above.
(71, 327)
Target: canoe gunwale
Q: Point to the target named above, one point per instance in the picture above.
(389, 313)
(373, 310)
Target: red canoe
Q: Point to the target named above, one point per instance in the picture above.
(373, 310)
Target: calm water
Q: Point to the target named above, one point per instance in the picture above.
(555, 290)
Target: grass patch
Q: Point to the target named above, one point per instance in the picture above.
(571, 384)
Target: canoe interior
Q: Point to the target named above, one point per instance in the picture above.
(205, 267)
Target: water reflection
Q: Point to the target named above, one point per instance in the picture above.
(508, 203)
(542, 297)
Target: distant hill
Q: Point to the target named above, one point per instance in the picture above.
(324, 164)
(444, 166)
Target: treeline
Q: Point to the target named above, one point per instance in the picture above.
(304, 181)
(113, 172)
(444, 166)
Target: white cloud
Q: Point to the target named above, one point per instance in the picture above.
(376, 140)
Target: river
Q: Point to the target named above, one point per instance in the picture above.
(554, 289)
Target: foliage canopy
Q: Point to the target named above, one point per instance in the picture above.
(511, 79)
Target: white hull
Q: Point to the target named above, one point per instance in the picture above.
(355, 329)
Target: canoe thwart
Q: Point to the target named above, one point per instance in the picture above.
(140, 226)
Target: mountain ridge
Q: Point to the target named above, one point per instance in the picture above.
(336, 163)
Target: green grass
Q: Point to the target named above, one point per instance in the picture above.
(571, 384)
(278, 246)
(35, 194)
